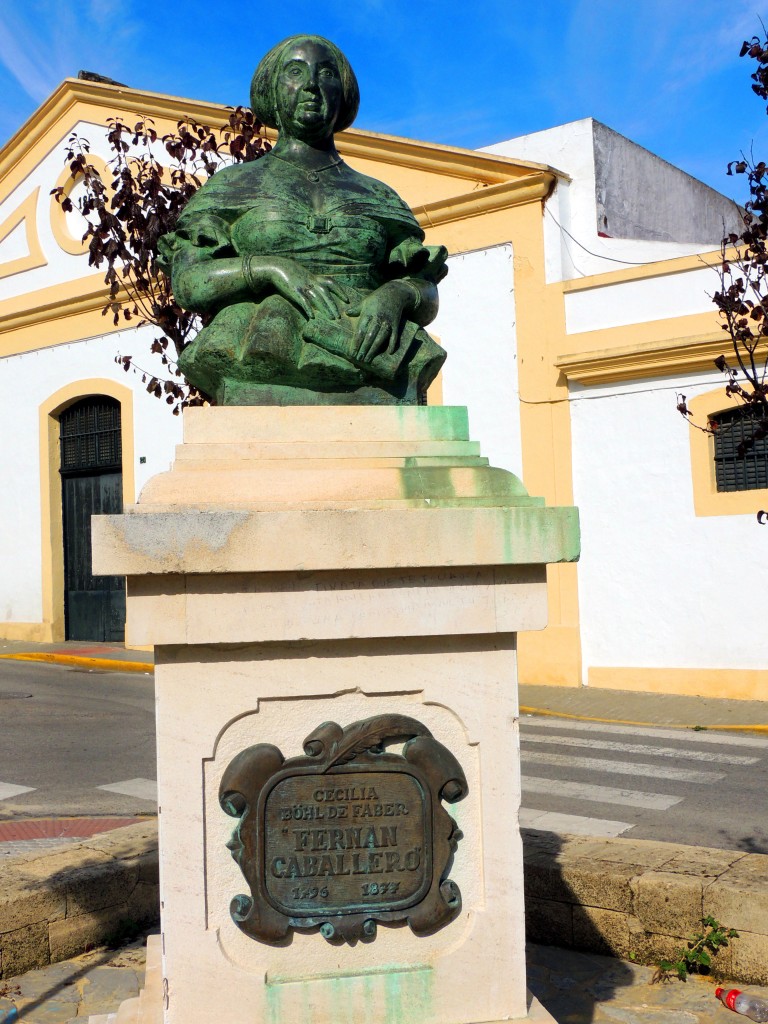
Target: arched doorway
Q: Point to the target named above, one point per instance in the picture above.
(91, 484)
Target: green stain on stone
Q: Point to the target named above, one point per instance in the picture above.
(387, 996)
(273, 1004)
(407, 997)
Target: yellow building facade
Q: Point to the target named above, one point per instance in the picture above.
(502, 306)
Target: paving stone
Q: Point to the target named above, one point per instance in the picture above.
(703, 861)
(6, 1005)
(36, 984)
(104, 988)
(642, 1015)
(590, 989)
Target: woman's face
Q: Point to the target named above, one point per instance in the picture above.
(308, 92)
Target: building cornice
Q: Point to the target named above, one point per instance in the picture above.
(531, 189)
(682, 355)
(57, 315)
(90, 294)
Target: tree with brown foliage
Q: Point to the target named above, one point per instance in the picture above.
(126, 215)
(742, 299)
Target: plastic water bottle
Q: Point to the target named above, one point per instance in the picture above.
(750, 1006)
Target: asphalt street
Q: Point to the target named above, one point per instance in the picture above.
(697, 787)
(66, 732)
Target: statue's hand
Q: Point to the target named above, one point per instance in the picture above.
(315, 296)
(381, 314)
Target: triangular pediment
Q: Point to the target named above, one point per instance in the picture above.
(43, 261)
(75, 101)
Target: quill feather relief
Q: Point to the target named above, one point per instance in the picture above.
(362, 736)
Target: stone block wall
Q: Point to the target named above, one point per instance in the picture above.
(56, 905)
(624, 897)
(641, 900)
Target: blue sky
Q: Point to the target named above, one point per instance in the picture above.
(665, 74)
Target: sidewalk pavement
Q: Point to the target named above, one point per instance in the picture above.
(76, 654)
(636, 708)
(72, 990)
(576, 988)
(624, 706)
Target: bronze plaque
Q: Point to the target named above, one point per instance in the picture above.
(346, 842)
(348, 835)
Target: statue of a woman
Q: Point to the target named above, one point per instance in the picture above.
(316, 275)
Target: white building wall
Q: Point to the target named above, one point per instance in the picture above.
(658, 587)
(635, 302)
(476, 324)
(572, 244)
(34, 377)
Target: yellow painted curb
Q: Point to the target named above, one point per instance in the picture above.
(524, 710)
(109, 664)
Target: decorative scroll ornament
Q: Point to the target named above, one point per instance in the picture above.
(347, 836)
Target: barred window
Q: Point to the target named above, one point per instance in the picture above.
(734, 471)
(90, 435)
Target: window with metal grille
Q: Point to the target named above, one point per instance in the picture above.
(90, 435)
(733, 471)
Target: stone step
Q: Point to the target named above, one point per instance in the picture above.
(128, 1012)
(151, 996)
(189, 461)
(262, 486)
(327, 451)
(326, 423)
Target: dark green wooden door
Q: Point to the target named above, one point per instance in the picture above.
(91, 484)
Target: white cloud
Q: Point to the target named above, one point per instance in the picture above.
(25, 56)
(44, 41)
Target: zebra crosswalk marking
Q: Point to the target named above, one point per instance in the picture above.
(7, 790)
(600, 794)
(681, 735)
(553, 821)
(642, 749)
(599, 764)
(143, 789)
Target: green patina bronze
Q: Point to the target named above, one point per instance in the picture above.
(316, 276)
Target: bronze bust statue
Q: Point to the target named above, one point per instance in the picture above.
(316, 276)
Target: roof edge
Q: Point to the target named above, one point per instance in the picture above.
(449, 160)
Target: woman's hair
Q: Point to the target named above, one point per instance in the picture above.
(264, 80)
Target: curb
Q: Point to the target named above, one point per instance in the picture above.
(56, 904)
(641, 900)
(76, 661)
(634, 899)
(526, 710)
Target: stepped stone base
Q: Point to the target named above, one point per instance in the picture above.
(310, 565)
(148, 1007)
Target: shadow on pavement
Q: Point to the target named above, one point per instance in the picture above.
(569, 984)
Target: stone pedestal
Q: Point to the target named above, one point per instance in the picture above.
(307, 565)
